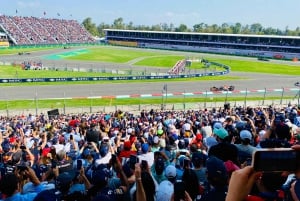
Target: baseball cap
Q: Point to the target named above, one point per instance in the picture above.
(245, 134)
(215, 167)
(160, 132)
(65, 178)
(170, 171)
(221, 132)
(198, 157)
(240, 125)
(129, 130)
(199, 136)
(217, 125)
(164, 191)
(210, 141)
(145, 147)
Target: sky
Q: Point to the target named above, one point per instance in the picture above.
(269, 13)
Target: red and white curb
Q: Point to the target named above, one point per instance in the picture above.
(185, 94)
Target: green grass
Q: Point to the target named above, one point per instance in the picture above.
(29, 104)
(259, 67)
(111, 54)
(17, 71)
(16, 50)
(168, 59)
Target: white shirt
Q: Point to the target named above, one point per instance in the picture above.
(103, 160)
(149, 157)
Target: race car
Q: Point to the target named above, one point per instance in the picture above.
(222, 88)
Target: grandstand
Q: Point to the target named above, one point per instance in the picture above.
(270, 46)
(33, 30)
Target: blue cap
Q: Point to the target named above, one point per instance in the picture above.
(145, 147)
(215, 167)
(221, 132)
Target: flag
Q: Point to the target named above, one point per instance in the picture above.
(58, 14)
(44, 12)
(16, 11)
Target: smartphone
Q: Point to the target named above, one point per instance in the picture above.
(22, 167)
(79, 164)
(186, 163)
(179, 191)
(144, 165)
(275, 160)
(133, 160)
(71, 137)
(23, 147)
(53, 164)
(113, 158)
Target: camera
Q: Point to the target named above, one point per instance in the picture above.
(275, 160)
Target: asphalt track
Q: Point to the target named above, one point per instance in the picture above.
(249, 81)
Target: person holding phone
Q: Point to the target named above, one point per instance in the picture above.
(247, 177)
(10, 185)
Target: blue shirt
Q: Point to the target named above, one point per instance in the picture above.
(22, 197)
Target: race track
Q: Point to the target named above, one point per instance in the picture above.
(249, 81)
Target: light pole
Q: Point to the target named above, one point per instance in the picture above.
(165, 90)
(297, 84)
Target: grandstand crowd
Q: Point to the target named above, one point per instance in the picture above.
(33, 30)
(202, 155)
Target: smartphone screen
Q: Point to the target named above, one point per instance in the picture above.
(71, 137)
(179, 191)
(79, 164)
(275, 160)
(53, 164)
(144, 165)
(133, 160)
(186, 163)
(113, 158)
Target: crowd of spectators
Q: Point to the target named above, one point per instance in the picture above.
(178, 68)
(33, 30)
(32, 65)
(202, 155)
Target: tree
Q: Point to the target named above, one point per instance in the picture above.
(118, 23)
(198, 27)
(182, 28)
(101, 27)
(90, 26)
(256, 28)
(225, 28)
(236, 29)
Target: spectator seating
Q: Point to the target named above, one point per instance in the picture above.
(33, 30)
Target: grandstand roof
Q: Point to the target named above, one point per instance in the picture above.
(208, 34)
